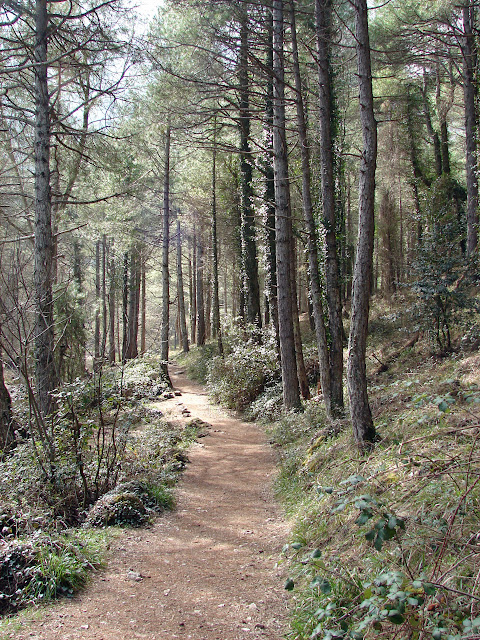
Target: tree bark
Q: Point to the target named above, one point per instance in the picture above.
(111, 309)
(216, 328)
(125, 308)
(291, 395)
(250, 280)
(362, 421)
(200, 297)
(471, 123)
(7, 434)
(323, 11)
(271, 309)
(312, 237)
(43, 269)
(165, 250)
(143, 305)
(180, 293)
(96, 353)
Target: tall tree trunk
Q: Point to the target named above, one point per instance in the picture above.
(471, 123)
(193, 290)
(133, 304)
(96, 356)
(312, 237)
(251, 286)
(165, 250)
(104, 297)
(125, 308)
(180, 293)
(271, 310)
(216, 329)
(362, 422)
(301, 371)
(43, 269)
(291, 395)
(111, 309)
(323, 14)
(200, 297)
(143, 303)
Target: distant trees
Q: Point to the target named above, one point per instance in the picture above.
(271, 156)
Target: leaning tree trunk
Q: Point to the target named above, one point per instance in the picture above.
(312, 236)
(165, 250)
(363, 427)
(471, 125)
(291, 395)
(44, 334)
(323, 12)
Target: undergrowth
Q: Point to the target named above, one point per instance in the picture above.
(385, 545)
(114, 462)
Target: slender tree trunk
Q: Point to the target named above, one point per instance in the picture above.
(323, 13)
(271, 310)
(7, 434)
(301, 371)
(96, 360)
(251, 286)
(216, 328)
(471, 123)
(125, 308)
(143, 304)
(193, 290)
(43, 269)
(165, 250)
(111, 309)
(200, 297)
(312, 237)
(362, 422)
(133, 304)
(104, 297)
(180, 293)
(291, 395)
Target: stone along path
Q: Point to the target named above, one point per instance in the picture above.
(205, 571)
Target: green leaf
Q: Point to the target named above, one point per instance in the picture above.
(378, 544)
(289, 584)
(296, 545)
(442, 406)
(429, 588)
(316, 553)
(395, 617)
(370, 535)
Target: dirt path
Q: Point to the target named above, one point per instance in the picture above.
(206, 571)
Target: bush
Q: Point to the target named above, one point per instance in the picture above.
(238, 378)
(45, 568)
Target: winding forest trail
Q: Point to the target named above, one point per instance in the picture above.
(205, 571)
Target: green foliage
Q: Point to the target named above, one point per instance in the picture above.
(443, 275)
(69, 318)
(45, 568)
(249, 365)
(380, 545)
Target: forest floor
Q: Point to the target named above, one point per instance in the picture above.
(206, 571)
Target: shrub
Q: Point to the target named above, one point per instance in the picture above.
(238, 378)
